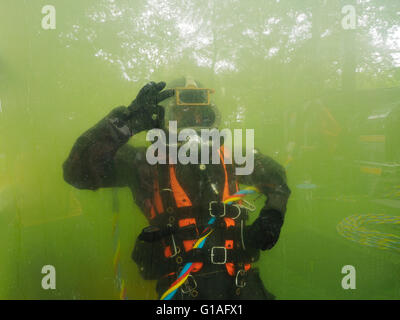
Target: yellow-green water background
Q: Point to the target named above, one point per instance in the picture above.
(314, 93)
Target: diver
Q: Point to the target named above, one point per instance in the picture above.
(191, 224)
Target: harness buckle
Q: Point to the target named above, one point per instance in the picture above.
(189, 285)
(210, 209)
(215, 205)
(239, 211)
(239, 279)
(213, 254)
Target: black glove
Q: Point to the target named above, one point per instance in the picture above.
(144, 111)
(265, 230)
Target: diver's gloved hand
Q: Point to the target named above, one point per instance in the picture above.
(144, 111)
(265, 230)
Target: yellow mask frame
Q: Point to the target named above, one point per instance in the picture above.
(179, 101)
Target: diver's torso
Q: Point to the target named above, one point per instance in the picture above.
(202, 184)
(215, 274)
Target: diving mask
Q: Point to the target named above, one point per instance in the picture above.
(191, 108)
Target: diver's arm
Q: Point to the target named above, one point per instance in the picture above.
(270, 178)
(99, 157)
(92, 161)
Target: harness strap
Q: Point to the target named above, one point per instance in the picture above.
(181, 198)
(176, 210)
(217, 255)
(226, 193)
(214, 255)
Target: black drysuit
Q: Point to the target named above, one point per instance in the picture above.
(100, 158)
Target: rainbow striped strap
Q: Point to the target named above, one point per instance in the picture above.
(184, 274)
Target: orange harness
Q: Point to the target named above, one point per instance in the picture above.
(181, 199)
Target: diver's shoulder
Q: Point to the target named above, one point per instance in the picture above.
(267, 160)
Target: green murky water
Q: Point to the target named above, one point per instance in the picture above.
(324, 101)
